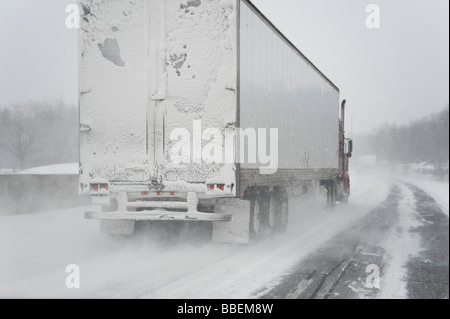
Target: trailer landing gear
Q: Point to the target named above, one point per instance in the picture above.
(255, 218)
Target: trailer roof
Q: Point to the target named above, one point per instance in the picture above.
(270, 24)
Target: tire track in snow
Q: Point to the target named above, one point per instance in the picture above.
(337, 270)
(428, 272)
(406, 237)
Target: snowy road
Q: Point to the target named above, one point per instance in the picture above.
(396, 226)
(406, 239)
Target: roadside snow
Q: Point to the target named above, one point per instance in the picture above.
(60, 169)
(439, 190)
(400, 245)
(33, 244)
(368, 190)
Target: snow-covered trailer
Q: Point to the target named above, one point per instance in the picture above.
(199, 110)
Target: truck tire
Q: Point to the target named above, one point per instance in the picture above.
(255, 218)
(331, 193)
(273, 212)
(278, 212)
(347, 193)
(282, 217)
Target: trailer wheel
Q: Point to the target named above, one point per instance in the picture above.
(347, 192)
(255, 218)
(278, 212)
(331, 193)
(273, 212)
(282, 218)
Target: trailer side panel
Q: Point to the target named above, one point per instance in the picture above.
(280, 88)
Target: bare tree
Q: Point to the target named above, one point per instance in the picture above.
(38, 133)
(422, 141)
(20, 130)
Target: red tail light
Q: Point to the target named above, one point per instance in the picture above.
(104, 186)
(144, 193)
(172, 194)
(95, 187)
(212, 187)
(221, 187)
(158, 193)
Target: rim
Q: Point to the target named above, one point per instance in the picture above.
(272, 213)
(284, 211)
(256, 217)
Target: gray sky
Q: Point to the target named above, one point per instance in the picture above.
(394, 74)
(38, 54)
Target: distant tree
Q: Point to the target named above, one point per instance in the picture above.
(38, 133)
(20, 128)
(439, 141)
(422, 141)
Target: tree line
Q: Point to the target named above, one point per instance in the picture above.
(37, 134)
(422, 141)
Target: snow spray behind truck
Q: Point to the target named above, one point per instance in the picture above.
(202, 111)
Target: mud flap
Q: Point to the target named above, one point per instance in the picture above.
(236, 231)
(117, 227)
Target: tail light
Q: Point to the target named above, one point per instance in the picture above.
(99, 187)
(212, 187)
(158, 193)
(172, 194)
(144, 193)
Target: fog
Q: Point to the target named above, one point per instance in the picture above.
(38, 56)
(395, 80)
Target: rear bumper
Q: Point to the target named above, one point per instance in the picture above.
(159, 211)
(159, 215)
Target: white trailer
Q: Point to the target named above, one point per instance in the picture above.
(216, 74)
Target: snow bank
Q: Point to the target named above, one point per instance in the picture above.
(439, 190)
(400, 245)
(60, 169)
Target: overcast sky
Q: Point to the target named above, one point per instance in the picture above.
(393, 74)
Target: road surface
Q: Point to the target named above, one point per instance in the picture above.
(390, 241)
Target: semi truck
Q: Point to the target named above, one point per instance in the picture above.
(202, 111)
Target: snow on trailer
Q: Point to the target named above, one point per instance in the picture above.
(215, 75)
